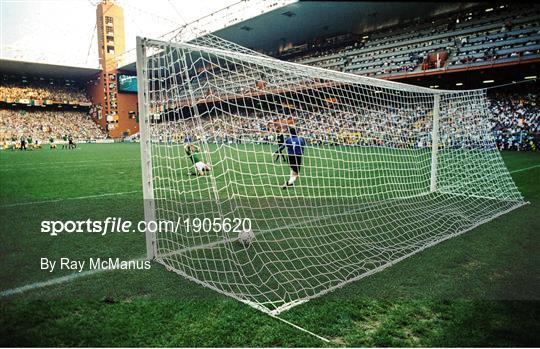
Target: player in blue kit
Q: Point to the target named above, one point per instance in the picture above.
(295, 149)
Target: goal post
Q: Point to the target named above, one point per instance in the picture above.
(384, 170)
(146, 151)
(434, 142)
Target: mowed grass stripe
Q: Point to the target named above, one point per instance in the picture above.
(397, 307)
(254, 155)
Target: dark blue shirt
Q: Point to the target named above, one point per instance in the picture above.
(295, 145)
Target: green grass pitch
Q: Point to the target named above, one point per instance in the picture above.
(478, 289)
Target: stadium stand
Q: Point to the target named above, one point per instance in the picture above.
(14, 87)
(515, 120)
(506, 34)
(478, 38)
(41, 108)
(42, 125)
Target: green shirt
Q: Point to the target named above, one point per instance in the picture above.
(194, 157)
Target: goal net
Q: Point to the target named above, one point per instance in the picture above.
(387, 170)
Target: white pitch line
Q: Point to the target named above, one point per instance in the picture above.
(56, 281)
(75, 198)
(62, 168)
(525, 169)
(53, 163)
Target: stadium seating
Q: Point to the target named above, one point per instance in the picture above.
(43, 124)
(480, 38)
(13, 87)
(506, 34)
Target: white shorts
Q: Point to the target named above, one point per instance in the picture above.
(200, 166)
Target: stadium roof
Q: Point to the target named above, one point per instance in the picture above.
(303, 21)
(8, 66)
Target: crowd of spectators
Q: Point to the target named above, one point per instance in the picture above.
(514, 120)
(43, 124)
(20, 87)
(374, 126)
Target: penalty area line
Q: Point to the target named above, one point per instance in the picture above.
(525, 169)
(74, 198)
(57, 281)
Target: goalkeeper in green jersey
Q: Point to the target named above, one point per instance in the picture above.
(192, 151)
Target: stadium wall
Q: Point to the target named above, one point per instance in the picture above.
(127, 102)
(95, 93)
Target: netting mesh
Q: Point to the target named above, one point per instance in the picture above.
(372, 189)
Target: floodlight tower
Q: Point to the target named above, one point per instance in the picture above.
(111, 46)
